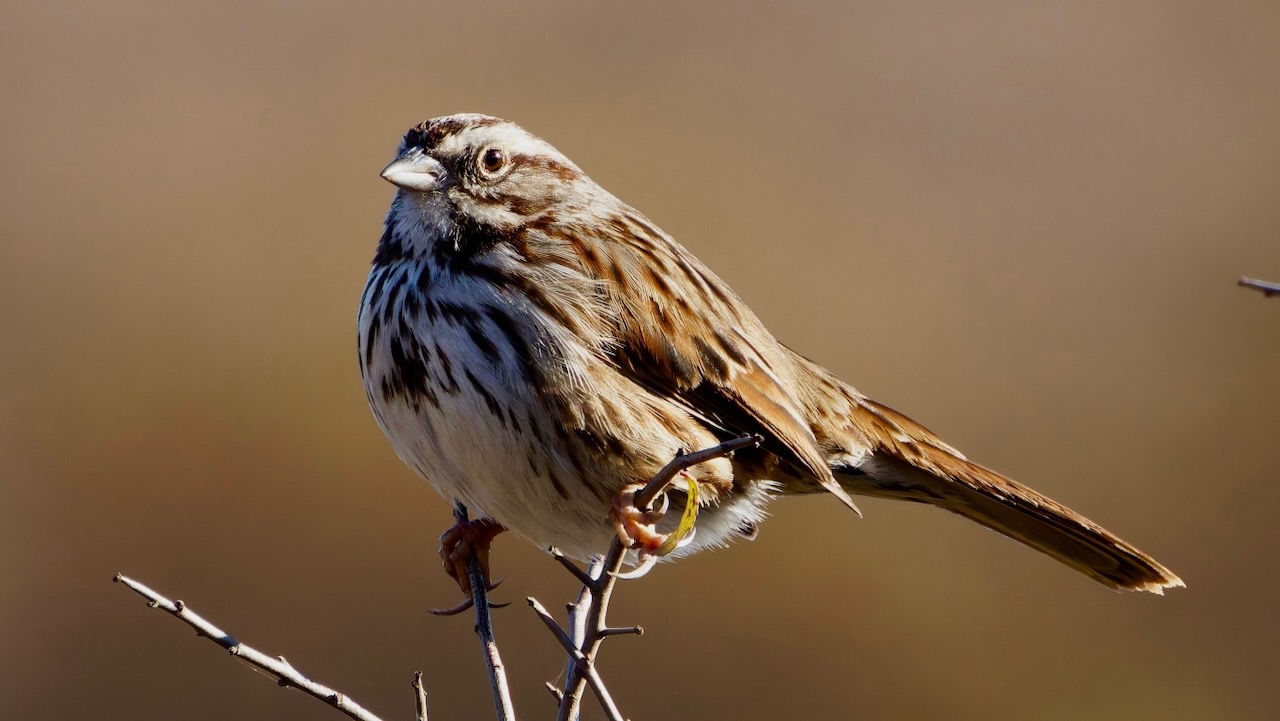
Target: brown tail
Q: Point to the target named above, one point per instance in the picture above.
(909, 462)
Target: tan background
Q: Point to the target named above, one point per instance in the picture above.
(1018, 222)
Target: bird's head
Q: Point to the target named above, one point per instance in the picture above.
(463, 173)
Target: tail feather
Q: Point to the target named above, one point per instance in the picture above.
(908, 462)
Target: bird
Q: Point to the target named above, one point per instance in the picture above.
(536, 349)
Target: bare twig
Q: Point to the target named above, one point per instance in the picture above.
(484, 629)
(587, 626)
(278, 668)
(1267, 289)
(578, 613)
(419, 696)
(684, 462)
(556, 693)
(551, 624)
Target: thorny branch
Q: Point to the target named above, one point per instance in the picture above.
(280, 669)
(586, 630)
(1267, 289)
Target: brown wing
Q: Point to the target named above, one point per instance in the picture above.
(685, 336)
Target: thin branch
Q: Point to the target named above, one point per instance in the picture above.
(484, 629)
(587, 668)
(419, 696)
(685, 461)
(583, 576)
(556, 693)
(1267, 289)
(551, 624)
(281, 670)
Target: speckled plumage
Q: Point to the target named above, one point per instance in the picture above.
(530, 344)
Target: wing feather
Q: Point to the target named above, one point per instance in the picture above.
(684, 336)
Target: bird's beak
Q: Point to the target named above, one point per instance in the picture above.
(414, 170)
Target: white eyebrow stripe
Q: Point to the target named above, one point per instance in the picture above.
(508, 136)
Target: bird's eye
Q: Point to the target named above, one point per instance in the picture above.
(493, 160)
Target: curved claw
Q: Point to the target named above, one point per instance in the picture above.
(647, 562)
(452, 610)
(467, 603)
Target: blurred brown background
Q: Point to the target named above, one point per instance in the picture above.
(1018, 222)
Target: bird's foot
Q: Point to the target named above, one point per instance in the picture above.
(637, 528)
(456, 546)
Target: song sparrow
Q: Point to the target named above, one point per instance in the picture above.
(532, 346)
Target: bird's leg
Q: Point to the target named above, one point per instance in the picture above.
(456, 545)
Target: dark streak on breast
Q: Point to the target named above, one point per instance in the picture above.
(374, 289)
(390, 247)
(482, 342)
(490, 402)
(506, 325)
(555, 481)
(396, 289)
(371, 340)
(408, 375)
(449, 385)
